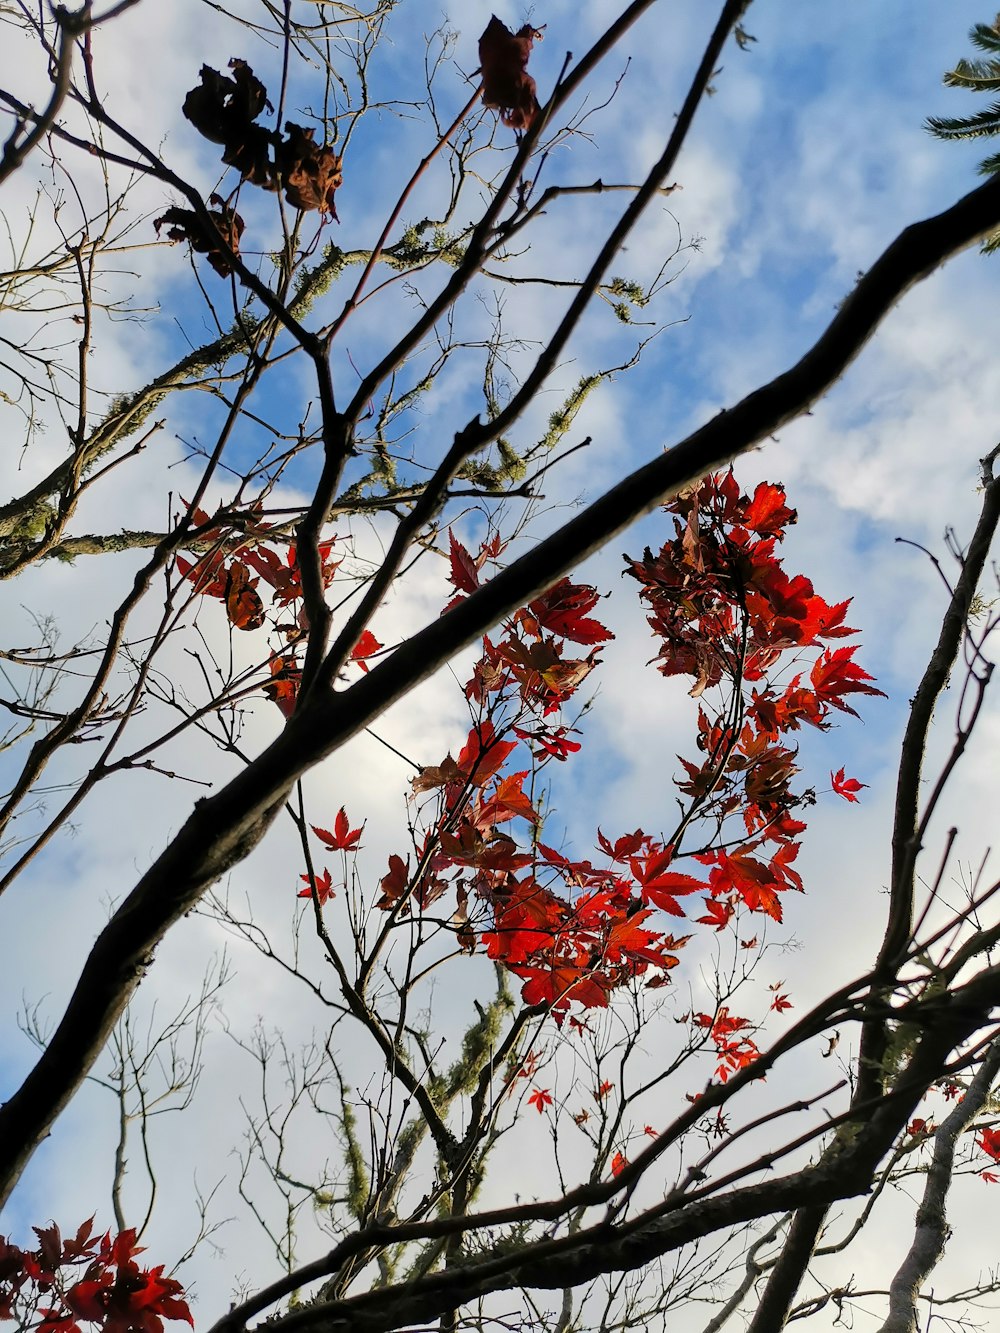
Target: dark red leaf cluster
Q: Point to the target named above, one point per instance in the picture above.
(231, 580)
(89, 1277)
(574, 931)
(311, 173)
(224, 110)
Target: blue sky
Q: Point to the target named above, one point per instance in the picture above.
(808, 160)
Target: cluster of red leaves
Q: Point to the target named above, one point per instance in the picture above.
(574, 930)
(224, 109)
(235, 580)
(90, 1278)
(726, 613)
(735, 1052)
(507, 85)
(569, 930)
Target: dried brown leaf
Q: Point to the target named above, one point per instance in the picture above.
(507, 85)
(183, 224)
(310, 173)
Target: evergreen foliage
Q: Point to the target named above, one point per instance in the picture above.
(978, 76)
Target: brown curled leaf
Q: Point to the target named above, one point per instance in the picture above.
(184, 225)
(310, 173)
(224, 110)
(507, 85)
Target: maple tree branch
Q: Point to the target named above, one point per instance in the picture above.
(682, 1217)
(905, 839)
(786, 1274)
(753, 1272)
(931, 1231)
(477, 247)
(71, 25)
(603, 1248)
(431, 499)
(378, 249)
(907, 824)
(44, 748)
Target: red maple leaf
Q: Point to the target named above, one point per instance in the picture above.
(283, 687)
(343, 838)
(394, 883)
(754, 881)
(509, 801)
(464, 572)
(719, 914)
(207, 574)
(660, 886)
(539, 1099)
(243, 604)
(846, 787)
(319, 887)
(562, 610)
(366, 646)
(767, 512)
(558, 984)
(835, 675)
(482, 754)
(550, 742)
(624, 847)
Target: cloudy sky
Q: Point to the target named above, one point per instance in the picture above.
(807, 161)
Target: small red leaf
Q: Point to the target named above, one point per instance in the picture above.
(539, 1099)
(844, 786)
(464, 574)
(366, 646)
(317, 886)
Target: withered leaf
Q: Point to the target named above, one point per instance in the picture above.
(310, 173)
(507, 85)
(224, 109)
(183, 224)
(243, 604)
(222, 106)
